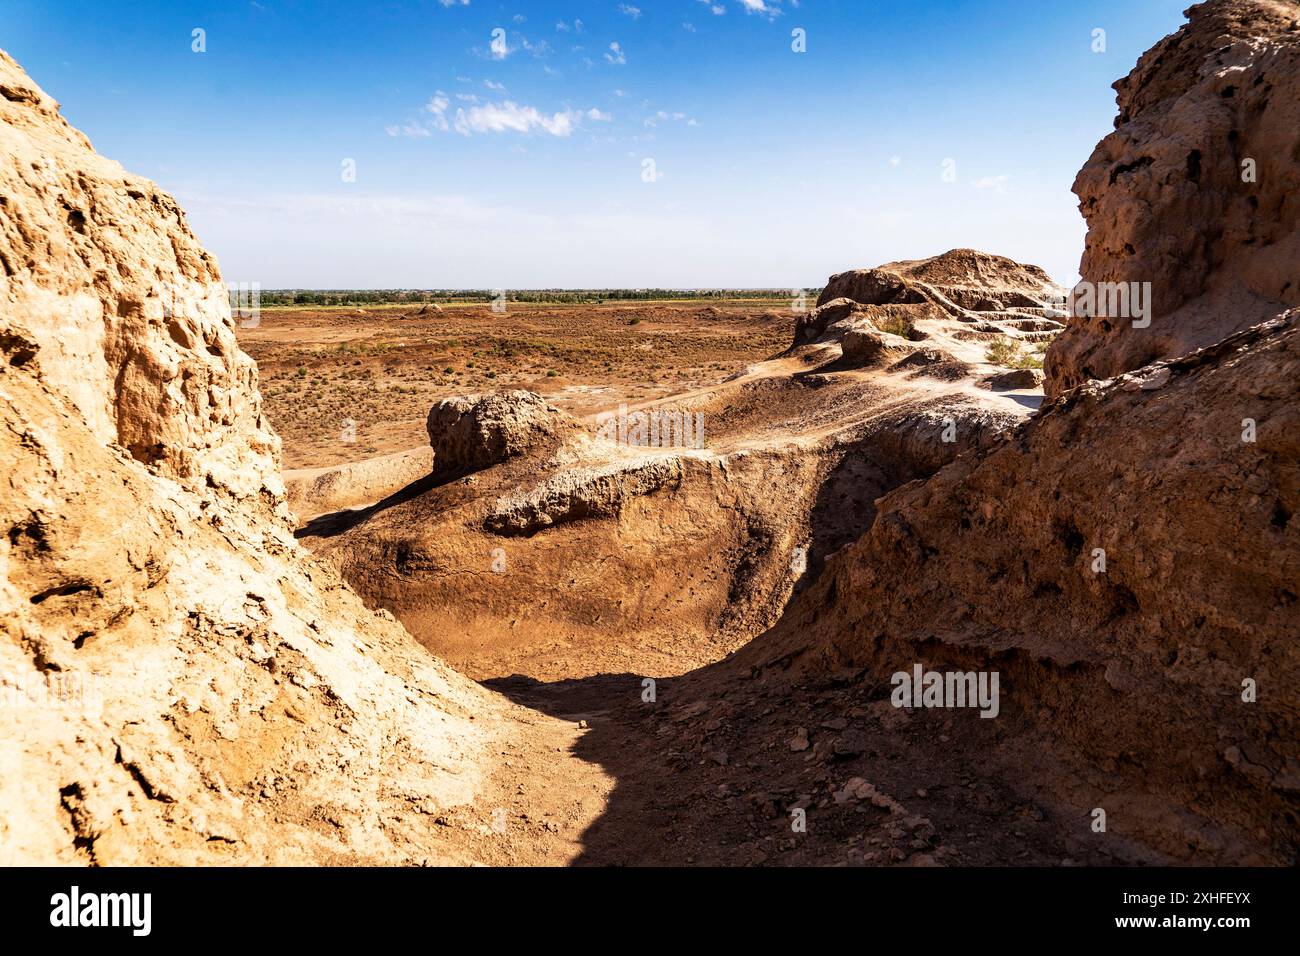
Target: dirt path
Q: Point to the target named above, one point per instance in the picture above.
(750, 775)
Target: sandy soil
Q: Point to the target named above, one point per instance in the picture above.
(710, 771)
(383, 367)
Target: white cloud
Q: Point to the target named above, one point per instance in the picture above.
(494, 86)
(437, 110)
(663, 116)
(688, 26)
(631, 11)
(615, 54)
(503, 117)
(991, 182)
(769, 8)
(412, 130)
(510, 117)
(454, 3)
(575, 27)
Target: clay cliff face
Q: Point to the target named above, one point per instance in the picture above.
(1194, 192)
(179, 683)
(129, 311)
(1127, 559)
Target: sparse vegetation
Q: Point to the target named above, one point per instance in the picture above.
(1011, 354)
(895, 325)
(384, 371)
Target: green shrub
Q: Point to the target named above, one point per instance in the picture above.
(895, 325)
(1010, 354)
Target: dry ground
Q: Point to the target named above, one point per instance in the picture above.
(384, 367)
(708, 772)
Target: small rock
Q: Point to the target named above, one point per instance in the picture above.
(850, 744)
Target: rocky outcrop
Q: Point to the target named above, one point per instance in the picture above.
(865, 346)
(1127, 558)
(830, 321)
(1193, 194)
(960, 280)
(131, 318)
(1135, 616)
(478, 431)
(179, 682)
(948, 302)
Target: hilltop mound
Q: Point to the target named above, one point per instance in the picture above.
(960, 280)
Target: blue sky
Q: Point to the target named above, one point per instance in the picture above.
(523, 163)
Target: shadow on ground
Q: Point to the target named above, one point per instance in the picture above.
(713, 770)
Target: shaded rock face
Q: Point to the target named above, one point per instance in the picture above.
(1122, 681)
(1194, 192)
(179, 683)
(101, 272)
(1127, 559)
(865, 346)
(478, 431)
(1016, 378)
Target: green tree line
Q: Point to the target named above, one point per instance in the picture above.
(283, 297)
